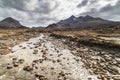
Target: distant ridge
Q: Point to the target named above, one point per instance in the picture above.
(83, 22)
(10, 23)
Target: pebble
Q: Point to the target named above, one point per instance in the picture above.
(28, 68)
(9, 66)
(116, 77)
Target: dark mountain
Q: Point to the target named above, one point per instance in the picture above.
(10, 23)
(68, 21)
(84, 22)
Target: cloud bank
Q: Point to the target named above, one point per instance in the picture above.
(44, 12)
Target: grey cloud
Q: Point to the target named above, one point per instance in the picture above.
(106, 12)
(106, 8)
(43, 6)
(45, 19)
(27, 14)
(111, 9)
(45, 12)
(17, 4)
(83, 3)
(92, 12)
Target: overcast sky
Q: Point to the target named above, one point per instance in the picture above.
(44, 12)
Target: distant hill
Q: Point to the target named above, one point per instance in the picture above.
(10, 23)
(83, 22)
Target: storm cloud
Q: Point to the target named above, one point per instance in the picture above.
(109, 11)
(45, 12)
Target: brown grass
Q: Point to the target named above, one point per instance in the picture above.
(89, 37)
(11, 37)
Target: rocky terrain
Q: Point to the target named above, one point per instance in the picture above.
(48, 57)
(102, 60)
(12, 37)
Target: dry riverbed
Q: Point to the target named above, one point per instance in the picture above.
(48, 58)
(43, 58)
(12, 37)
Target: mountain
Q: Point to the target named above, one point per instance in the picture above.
(10, 23)
(83, 22)
(68, 21)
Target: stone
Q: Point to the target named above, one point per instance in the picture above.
(116, 77)
(58, 60)
(24, 48)
(21, 61)
(62, 73)
(14, 59)
(40, 77)
(117, 59)
(9, 66)
(28, 68)
(40, 60)
(35, 52)
(15, 64)
(35, 61)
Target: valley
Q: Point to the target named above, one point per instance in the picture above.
(77, 48)
(61, 55)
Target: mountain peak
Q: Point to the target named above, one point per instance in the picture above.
(9, 19)
(69, 20)
(87, 16)
(86, 21)
(9, 22)
(72, 16)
